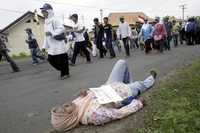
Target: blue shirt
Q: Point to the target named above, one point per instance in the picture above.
(146, 31)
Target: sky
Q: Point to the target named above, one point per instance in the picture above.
(89, 9)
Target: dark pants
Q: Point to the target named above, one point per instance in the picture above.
(13, 65)
(167, 43)
(102, 50)
(159, 45)
(126, 46)
(190, 38)
(148, 46)
(175, 39)
(60, 63)
(80, 46)
(182, 35)
(110, 47)
(35, 55)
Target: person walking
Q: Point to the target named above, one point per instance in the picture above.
(134, 38)
(168, 27)
(108, 37)
(4, 53)
(175, 32)
(159, 34)
(190, 31)
(34, 47)
(80, 42)
(146, 32)
(124, 32)
(98, 37)
(54, 42)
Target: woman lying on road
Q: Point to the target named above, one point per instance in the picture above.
(87, 110)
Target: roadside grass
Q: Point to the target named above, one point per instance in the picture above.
(174, 107)
(21, 55)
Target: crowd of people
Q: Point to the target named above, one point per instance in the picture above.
(63, 46)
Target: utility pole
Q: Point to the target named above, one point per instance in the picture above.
(83, 20)
(183, 7)
(101, 14)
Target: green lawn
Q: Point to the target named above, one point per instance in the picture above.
(175, 104)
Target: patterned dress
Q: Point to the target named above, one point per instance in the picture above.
(98, 114)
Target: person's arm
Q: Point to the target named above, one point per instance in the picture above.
(129, 30)
(58, 28)
(164, 30)
(45, 44)
(131, 108)
(105, 114)
(119, 32)
(80, 29)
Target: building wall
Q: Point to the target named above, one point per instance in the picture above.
(17, 35)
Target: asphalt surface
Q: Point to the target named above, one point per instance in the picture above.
(26, 98)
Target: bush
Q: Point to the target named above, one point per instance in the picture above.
(20, 56)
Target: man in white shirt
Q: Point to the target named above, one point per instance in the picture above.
(124, 32)
(80, 43)
(57, 51)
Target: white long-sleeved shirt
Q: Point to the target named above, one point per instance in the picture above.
(79, 37)
(55, 27)
(124, 30)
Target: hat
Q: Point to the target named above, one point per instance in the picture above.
(46, 7)
(74, 15)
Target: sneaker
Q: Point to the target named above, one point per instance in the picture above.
(153, 73)
(15, 71)
(35, 64)
(72, 64)
(65, 77)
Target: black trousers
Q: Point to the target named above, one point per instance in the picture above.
(167, 42)
(3, 53)
(80, 46)
(190, 38)
(60, 63)
(148, 46)
(159, 45)
(126, 46)
(109, 46)
(101, 48)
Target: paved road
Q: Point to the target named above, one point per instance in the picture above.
(27, 97)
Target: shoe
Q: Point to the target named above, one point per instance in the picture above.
(35, 64)
(64, 77)
(112, 57)
(15, 71)
(72, 64)
(153, 73)
(89, 62)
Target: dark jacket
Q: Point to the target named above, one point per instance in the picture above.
(168, 27)
(32, 42)
(98, 34)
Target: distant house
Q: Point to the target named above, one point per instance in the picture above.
(131, 17)
(16, 34)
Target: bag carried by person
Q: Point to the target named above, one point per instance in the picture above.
(157, 37)
(41, 53)
(59, 37)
